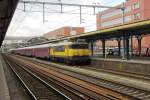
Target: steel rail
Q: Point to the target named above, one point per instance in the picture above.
(45, 83)
(61, 76)
(128, 90)
(107, 84)
(90, 96)
(32, 94)
(70, 89)
(79, 95)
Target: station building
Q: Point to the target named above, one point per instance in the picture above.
(135, 10)
(64, 32)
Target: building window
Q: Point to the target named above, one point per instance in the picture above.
(136, 5)
(116, 21)
(136, 16)
(111, 14)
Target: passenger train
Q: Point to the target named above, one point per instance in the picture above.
(66, 52)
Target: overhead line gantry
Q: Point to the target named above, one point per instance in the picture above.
(68, 4)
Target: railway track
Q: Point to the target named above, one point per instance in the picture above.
(124, 89)
(92, 95)
(79, 95)
(117, 72)
(92, 87)
(128, 90)
(62, 86)
(37, 88)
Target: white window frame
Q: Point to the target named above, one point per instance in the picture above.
(136, 5)
(136, 16)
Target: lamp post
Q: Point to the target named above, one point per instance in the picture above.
(123, 13)
(71, 30)
(123, 37)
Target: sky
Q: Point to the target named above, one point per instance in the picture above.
(30, 22)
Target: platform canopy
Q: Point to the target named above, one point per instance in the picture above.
(130, 29)
(7, 8)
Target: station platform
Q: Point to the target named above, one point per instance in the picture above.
(133, 66)
(4, 92)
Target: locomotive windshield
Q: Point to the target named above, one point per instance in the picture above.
(79, 46)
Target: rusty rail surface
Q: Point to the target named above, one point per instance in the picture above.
(36, 87)
(77, 83)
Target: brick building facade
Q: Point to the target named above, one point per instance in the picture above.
(135, 10)
(64, 32)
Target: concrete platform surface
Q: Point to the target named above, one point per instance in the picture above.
(132, 66)
(4, 92)
(123, 60)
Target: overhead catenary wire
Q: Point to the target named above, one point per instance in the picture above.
(55, 10)
(63, 4)
(66, 4)
(67, 12)
(69, 20)
(111, 2)
(19, 24)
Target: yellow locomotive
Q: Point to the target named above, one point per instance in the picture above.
(70, 52)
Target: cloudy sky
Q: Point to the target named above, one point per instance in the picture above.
(30, 22)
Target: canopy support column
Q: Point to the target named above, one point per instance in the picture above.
(104, 47)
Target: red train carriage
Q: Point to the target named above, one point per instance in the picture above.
(25, 51)
(39, 51)
(29, 52)
(42, 51)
